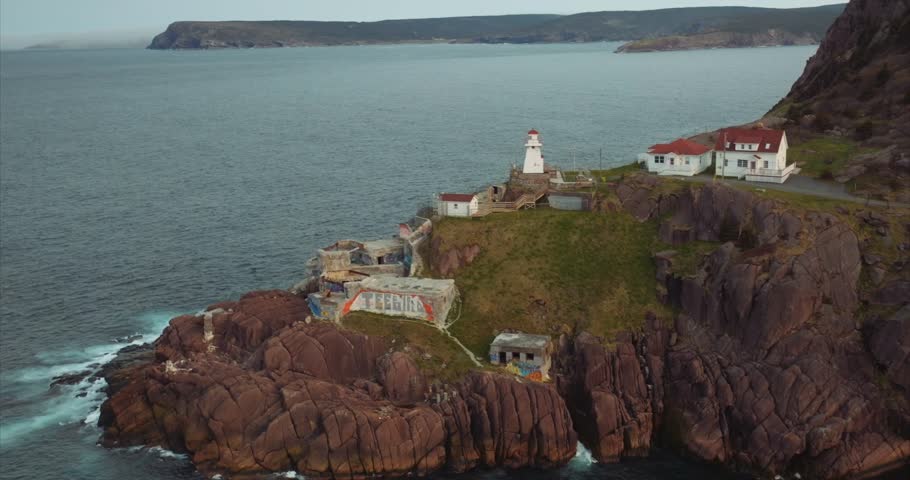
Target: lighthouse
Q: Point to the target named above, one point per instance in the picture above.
(533, 153)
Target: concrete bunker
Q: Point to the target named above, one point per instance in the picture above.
(523, 354)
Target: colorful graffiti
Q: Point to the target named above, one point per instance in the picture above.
(528, 370)
(395, 303)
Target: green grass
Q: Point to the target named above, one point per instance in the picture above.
(437, 355)
(605, 175)
(801, 201)
(824, 156)
(549, 272)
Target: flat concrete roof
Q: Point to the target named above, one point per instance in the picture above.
(408, 284)
(521, 340)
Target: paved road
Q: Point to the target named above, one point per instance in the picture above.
(800, 184)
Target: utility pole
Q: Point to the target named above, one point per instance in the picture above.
(724, 146)
(574, 168)
(601, 158)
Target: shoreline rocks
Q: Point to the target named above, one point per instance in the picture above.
(324, 402)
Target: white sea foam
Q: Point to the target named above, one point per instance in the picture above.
(583, 457)
(69, 404)
(165, 453)
(289, 474)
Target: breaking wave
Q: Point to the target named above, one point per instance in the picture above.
(68, 404)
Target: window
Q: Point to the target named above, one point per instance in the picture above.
(726, 163)
(529, 357)
(766, 164)
(658, 159)
(687, 160)
(672, 160)
(516, 355)
(455, 206)
(767, 146)
(742, 163)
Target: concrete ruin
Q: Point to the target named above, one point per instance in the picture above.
(377, 276)
(421, 298)
(523, 354)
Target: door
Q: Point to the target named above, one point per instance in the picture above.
(753, 164)
(502, 357)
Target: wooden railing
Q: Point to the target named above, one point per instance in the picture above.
(524, 201)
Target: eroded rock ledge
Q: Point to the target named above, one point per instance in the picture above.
(766, 366)
(269, 392)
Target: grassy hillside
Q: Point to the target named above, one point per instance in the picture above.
(298, 33)
(593, 26)
(549, 271)
(437, 355)
(634, 25)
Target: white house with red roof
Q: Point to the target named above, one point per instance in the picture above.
(680, 157)
(757, 154)
(457, 204)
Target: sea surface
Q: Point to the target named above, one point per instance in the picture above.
(136, 185)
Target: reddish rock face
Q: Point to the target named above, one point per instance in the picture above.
(769, 370)
(269, 393)
(447, 261)
(618, 391)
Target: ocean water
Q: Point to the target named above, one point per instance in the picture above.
(136, 185)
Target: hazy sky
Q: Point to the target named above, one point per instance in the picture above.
(28, 20)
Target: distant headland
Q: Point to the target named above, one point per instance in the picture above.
(666, 29)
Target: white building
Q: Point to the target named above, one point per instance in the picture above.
(421, 298)
(533, 153)
(457, 204)
(681, 157)
(756, 154)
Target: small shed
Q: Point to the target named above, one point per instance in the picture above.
(457, 204)
(522, 353)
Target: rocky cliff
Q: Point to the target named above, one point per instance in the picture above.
(250, 387)
(856, 86)
(768, 366)
(788, 353)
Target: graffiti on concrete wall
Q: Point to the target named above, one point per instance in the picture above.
(529, 370)
(408, 305)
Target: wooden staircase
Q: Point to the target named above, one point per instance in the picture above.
(527, 200)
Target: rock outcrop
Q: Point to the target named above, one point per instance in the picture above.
(856, 86)
(250, 387)
(616, 394)
(769, 369)
(447, 260)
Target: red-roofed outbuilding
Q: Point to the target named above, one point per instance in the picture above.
(457, 204)
(679, 147)
(679, 157)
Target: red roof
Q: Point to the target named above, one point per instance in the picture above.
(679, 147)
(456, 197)
(768, 140)
(533, 132)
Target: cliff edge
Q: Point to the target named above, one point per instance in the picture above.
(852, 102)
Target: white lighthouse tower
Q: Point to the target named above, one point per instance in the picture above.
(533, 153)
